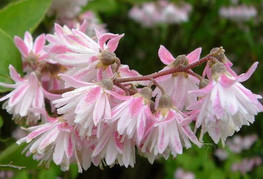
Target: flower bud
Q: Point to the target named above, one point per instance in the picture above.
(107, 58)
(107, 84)
(219, 54)
(203, 83)
(217, 69)
(180, 60)
(146, 92)
(165, 102)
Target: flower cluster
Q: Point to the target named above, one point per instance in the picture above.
(68, 13)
(238, 13)
(247, 165)
(85, 107)
(91, 22)
(236, 145)
(160, 12)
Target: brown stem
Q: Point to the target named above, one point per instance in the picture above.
(61, 91)
(165, 72)
(127, 91)
(118, 62)
(194, 74)
(159, 86)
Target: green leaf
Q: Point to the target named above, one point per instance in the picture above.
(73, 171)
(52, 172)
(1, 121)
(22, 175)
(13, 154)
(8, 55)
(102, 6)
(22, 16)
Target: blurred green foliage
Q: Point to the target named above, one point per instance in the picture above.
(243, 43)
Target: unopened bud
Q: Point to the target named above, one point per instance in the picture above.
(219, 54)
(107, 84)
(217, 69)
(203, 83)
(180, 60)
(133, 87)
(146, 92)
(165, 102)
(107, 58)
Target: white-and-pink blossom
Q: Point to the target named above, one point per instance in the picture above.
(225, 105)
(32, 52)
(238, 13)
(177, 85)
(28, 93)
(54, 140)
(87, 106)
(132, 116)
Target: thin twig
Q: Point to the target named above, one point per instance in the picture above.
(159, 86)
(194, 74)
(61, 91)
(12, 166)
(165, 72)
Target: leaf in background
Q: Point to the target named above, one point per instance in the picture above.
(22, 175)
(21, 16)
(102, 6)
(52, 172)
(73, 171)
(13, 154)
(1, 121)
(8, 55)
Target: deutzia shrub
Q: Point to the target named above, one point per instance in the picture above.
(85, 107)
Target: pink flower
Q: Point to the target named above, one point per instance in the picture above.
(53, 140)
(132, 115)
(81, 54)
(238, 143)
(27, 93)
(176, 85)
(182, 174)
(225, 105)
(247, 165)
(88, 105)
(83, 48)
(238, 13)
(66, 8)
(113, 147)
(170, 131)
(221, 154)
(32, 52)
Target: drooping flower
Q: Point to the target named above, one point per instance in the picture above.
(27, 93)
(225, 104)
(170, 132)
(88, 105)
(85, 56)
(177, 84)
(54, 140)
(133, 114)
(114, 148)
(32, 52)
